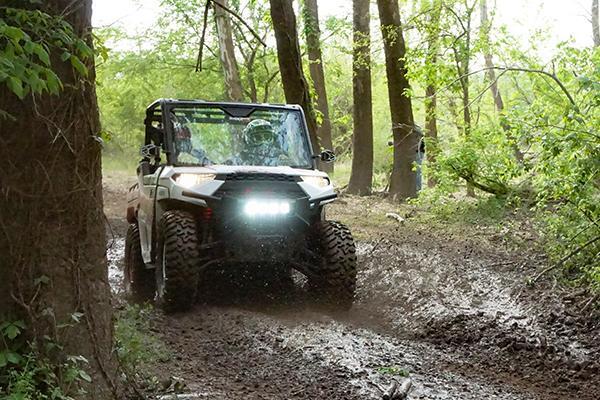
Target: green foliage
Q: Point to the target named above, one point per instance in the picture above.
(557, 178)
(136, 345)
(28, 38)
(454, 209)
(28, 373)
(394, 370)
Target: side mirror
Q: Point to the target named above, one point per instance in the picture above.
(327, 156)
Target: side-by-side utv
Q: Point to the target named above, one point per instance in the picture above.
(224, 184)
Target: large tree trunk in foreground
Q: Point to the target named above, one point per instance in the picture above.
(596, 22)
(315, 58)
(491, 75)
(290, 63)
(361, 177)
(233, 83)
(406, 139)
(431, 61)
(52, 243)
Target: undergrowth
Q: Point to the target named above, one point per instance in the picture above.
(39, 370)
(32, 370)
(136, 345)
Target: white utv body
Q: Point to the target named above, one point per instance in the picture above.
(212, 194)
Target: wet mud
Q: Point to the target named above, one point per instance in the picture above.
(454, 317)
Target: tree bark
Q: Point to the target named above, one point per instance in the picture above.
(596, 22)
(52, 238)
(431, 61)
(290, 63)
(406, 139)
(491, 75)
(317, 74)
(361, 176)
(231, 73)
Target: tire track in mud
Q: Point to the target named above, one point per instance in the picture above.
(232, 353)
(263, 344)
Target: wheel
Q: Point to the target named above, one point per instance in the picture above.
(137, 279)
(177, 262)
(332, 278)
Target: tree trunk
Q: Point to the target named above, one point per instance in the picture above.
(431, 131)
(463, 67)
(596, 22)
(231, 73)
(315, 58)
(406, 139)
(290, 63)
(361, 177)
(52, 238)
(491, 75)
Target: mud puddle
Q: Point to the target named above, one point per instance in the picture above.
(234, 354)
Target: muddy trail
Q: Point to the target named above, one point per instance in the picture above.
(450, 312)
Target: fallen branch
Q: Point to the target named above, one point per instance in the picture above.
(591, 301)
(390, 392)
(402, 392)
(565, 259)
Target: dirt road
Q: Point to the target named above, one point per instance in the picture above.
(450, 311)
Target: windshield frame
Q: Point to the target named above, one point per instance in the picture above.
(232, 109)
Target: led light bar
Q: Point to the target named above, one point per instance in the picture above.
(261, 208)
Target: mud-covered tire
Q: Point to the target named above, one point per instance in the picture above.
(178, 260)
(138, 281)
(332, 278)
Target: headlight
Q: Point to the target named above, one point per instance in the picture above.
(191, 180)
(255, 208)
(319, 181)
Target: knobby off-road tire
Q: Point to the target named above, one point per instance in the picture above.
(177, 262)
(333, 278)
(138, 281)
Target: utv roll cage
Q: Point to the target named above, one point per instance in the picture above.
(158, 129)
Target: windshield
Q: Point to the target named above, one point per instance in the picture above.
(261, 137)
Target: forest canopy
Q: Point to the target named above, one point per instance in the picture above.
(503, 118)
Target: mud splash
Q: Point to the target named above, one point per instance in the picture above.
(414, 286)
(114, 256)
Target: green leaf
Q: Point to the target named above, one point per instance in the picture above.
(16, 86)
(12, 331)
(13, 358)
(3, 360)
(79, 66)
(42, 54)
(84, 375)
(53, 82)
(14, 33)
(83, 49)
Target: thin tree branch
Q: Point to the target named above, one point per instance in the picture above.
(252, 31)
(203, 37)
(519, 69)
